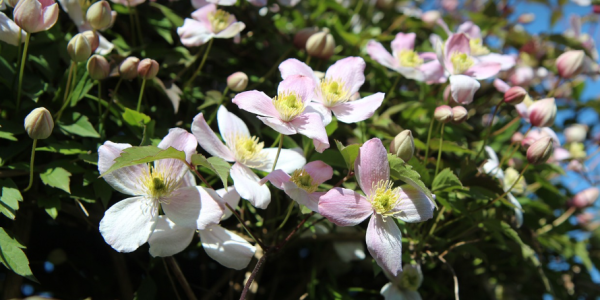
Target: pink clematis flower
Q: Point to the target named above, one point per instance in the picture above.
(247, 153)
(345, 207)
(207, 23)
(335, 93)
(302, 185)
(36, 15)
(479, 51)
(404, 60)
(222, 245)
(167, 184)
(287, 113)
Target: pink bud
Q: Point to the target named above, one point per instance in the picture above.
(443, 114)
(147, 68)
(542, 112)
(570, 63)
(540, 151)
(515, 95)
(585, 198)
(459, 114)
(35, 15)
(237, 81)
(128, 68)
(596, 9)
(526, 18)
(517, 137)
(576, 133)
(585, 218)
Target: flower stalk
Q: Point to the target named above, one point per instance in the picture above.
(22, 69)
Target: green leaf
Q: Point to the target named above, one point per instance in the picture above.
(12, 257)
(349, 153)
(51, 205)
(135, 118)
(7, 136)
(9, 198)
(403, 171)
(58, 178)
(331, 127)
(446, 181)
(64, 147)
(139, 155)
(582, 252)
(448, 146)
(216, 164)
(169, 14)
(81, 127)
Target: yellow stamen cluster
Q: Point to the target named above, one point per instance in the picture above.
(334, 92)
(158, 183)
(84, 4)
(304, 181)
(410, 58)
(461, 62)
(477, 47)
(219, 20)
(384, 198)
(248, 150)
(289, 105)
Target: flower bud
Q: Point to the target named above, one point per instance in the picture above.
(570, 63)
(585, 218)
(585, 198)
(36, 15)
(443, 114)
(411, 278)
(596, 9)
(540, 151)
(147, 68)
(526, 18)
(128, 68)
(79, 48)
(575, 165)
(99, 15)
(98, 67)
(403, 145)
(576, 133)
(320, 44)
(542, 112)
(39, 123)
(237, 81)
(459, 114)
(430, 17)
(517, 137)
(515, 95)
(302, 36)
(12, 3)
(94, 39)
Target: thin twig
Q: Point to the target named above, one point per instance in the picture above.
(171, 280)
(253, 275)
(237, 216)
(180, 277)
(451, 270)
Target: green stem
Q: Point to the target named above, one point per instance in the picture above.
(112, 98)
(22, 69)
(214, 113)
(131, 23)
(20, 35)
(307, 62)
(565, 216)
(428, 140)
(201, 64)
(138, 27)
(99, 99)
(278, 151)
(139, 104)
(31, 165)
(437, 163)
(392, 88)
(287, 215)
(487, 136)
(72, 69)
(237, 216)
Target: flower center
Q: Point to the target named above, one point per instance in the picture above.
(477, 47)
(304, 181)
(410, 280)
(219, 20)
(84, 4)
(158, 183)
(410, 58)
(384, 198)
(461, 62)
(334, 92)
(289, 105)
(248, 150)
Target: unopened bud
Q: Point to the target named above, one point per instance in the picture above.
(403, 145)
(39, 123)
(12, 3)
(443, 114)
(128, 68)
(576, 133)
(585, 198)
(98, 67)
(99, 15)
(517, 137)
(515, 95)
(411, 278)
(94, 39)
(430, 17)
(237, 81)
(540, 151)
(459, 114)
(570, 63)
(79, 48)
(526, 18)
(147, 68)
(542, 112)
(302, 36)
(320, 44)
(596, 9)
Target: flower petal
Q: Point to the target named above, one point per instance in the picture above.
(232, 30)
(350, 71)
(301, 85)
(414, 205)
(208, 140)
(403, 41)
(506, 61)
(378, 53)
(518, 209)
(371, 165)
(128, 223)
(433, 72)
(344, 207)
(230, 125)
(302, 196)
(384, 242)
(168, 238)
(501, 86)
(181, 140)
(194, 207)
(226, 247)
(349, 251)
(456, 43)
(292, 66)
(470, 29)
(279, 125)
(311, 126)
(277, 178)
(257, 103)
(230, 197)
(247, 185)
(463, 88)
(484, 70)
(193, 33)
(358, 110)
(319, 108)
(124, 180)
(319, 171)
(289, 160)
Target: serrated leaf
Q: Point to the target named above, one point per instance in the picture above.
(402, 171)
(349, 153)
(81, 127)
(12, 257)
(58, 178)
(139, 155)
(216, 164)
(10, 198)
(446, 181)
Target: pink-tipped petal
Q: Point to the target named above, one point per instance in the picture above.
(378, 53)
(371, 165)
(124, 180)
(247, 185)
(208, 140)
(257, 103)
(506, 61)
(301, 85)
(322, 110)
(128, 223)
(319, 171)
(181, 140)
(232, 30)
(344, 207)
(194, 33)
(456, 43)
(231, 197)
(278, 125)
(463, 88)
(302, 196)
(202, 13)
(403, 41)
(193, 207)
(384, 242)
(501, 86)
(230, 125)
(350, 71)
(414, 206)
(358, 110)
(470, 29)
(292, 66)
(277, 178)
(484, 70)
(433, 72)
(289, 160)
(168, 238)
(311, 126)
(226, 247)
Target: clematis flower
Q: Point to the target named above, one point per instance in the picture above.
(208, 22)
(335, 93)
(480, 52)
(36, 15)
(404, 60)
(404, 286)
(302, 185)
(287, 113)
(76, 12)
(381, 202)
(492, 167)
(167, 185)
(9, 31)
(222, 245)
(247, 153)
